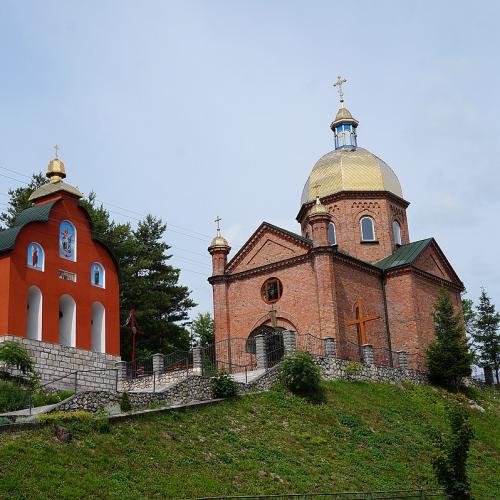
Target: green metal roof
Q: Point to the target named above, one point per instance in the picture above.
(39, 213)
(403, 255)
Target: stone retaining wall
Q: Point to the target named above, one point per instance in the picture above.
(96, 370)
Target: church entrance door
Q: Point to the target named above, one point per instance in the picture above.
(273, 338)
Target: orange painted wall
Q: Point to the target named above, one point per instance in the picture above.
(14, 288)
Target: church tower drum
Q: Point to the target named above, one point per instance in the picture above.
(361, 192)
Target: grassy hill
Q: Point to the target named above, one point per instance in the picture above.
(365, 437)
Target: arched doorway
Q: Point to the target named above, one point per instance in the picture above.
(67, 321)
(273, 338)
(98, 327)
(34, 314)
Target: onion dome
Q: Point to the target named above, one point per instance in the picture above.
(348, 167)
(56, 172)
(219, 242)
(318, 208)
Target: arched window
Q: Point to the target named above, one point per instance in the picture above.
(367, 229)
(67, 240)
(36, 257)
(98, 327)
(396, 231)
(34, 314)
(271, 290)
(67, 321)
(332, 236)
(97, 277)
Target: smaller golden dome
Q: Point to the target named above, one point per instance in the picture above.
(219, 241)
(318, 208)
(343, 114)
(56, 171)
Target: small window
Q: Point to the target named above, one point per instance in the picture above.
(97, 275)
(332, 237)
(36, 257)
(367, 229)
(67, 240)
(271, 291)
(396, 231)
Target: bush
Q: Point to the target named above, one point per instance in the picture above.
(59, 417)
(13, 396)
(223, 386)
(125, 404)
(41, 398)
(450, 456)
(14, 355)
(302, 376)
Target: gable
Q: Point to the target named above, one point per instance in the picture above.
(267, 245)
(433, 263)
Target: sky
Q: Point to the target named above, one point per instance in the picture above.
(195, 109)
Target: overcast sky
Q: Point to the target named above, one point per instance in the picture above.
(193, 109)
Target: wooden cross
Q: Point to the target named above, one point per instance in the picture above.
(361, 320)
(338, 84)
(272, 314)
(56, 148)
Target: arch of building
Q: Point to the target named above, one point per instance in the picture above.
(98, 337)
(67, 321)
(34, 313)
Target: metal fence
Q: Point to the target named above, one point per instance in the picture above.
(310, 343)
(233, 355)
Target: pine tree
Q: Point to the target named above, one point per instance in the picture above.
(486, 333)
(448, 358)
(19, 200)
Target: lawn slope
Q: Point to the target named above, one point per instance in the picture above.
(365, 437)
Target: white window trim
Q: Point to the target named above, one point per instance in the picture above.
(76, 241)
(373, 228)
(43, 257)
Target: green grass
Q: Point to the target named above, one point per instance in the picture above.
(365, 437)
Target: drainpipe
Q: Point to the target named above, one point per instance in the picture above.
(386, 313)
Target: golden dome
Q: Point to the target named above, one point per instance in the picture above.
(318, 208)
(219, 241)
(349, 169)
(343, 114)
(56, 170)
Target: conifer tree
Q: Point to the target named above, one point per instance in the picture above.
(486, 333)
(448, 359)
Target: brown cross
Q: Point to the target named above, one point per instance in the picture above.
(361, 320)
(272, 314)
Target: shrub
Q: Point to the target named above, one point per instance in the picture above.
(125, 404)
(41, 398)
(13, 396)
(5, 421)
(450, 456)
(353, 368)
(223, 386)
(301, 375)
(66, 416)
(14, 355)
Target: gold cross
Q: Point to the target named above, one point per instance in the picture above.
(316, 187)
(338, 84)
(56, 148)
(361, 321)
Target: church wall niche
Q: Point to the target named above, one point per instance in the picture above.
(67, 321)
(34, 314)
(98, 334)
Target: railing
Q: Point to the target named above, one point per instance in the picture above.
(310, 343)
(141, 367)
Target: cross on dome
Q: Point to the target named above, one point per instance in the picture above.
(340, 81)
(217, 221)
(56, 149)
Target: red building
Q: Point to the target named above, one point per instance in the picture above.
(58, 281)
(352, 273)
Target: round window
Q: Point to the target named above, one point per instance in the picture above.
(271, 291)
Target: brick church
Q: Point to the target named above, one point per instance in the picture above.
(351, 274)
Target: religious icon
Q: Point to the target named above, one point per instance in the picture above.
(67, 238)
(97, 275)
(35, 256)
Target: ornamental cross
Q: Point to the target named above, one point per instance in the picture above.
(361, 321)
(316, 187)
(338, 84)
(217, 221)
(56, 149)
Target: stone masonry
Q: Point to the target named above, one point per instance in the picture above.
(52, 361)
